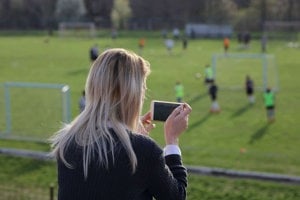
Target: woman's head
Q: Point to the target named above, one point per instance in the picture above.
(114, 91)
(115, 86)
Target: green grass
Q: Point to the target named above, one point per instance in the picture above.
(20, 144)
(202, 187)
(211, 140)
(27, 173)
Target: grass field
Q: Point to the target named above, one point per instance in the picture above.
(237, 138)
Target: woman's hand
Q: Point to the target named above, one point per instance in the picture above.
(145, 125)
(176, 123)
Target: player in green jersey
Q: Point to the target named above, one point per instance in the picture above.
(269, 99)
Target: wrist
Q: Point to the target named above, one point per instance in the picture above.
(172, 150)
(172, 141)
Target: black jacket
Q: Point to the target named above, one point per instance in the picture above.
(156, 176)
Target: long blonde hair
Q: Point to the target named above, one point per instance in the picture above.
(115, 90)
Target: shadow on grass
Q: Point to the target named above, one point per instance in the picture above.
(197, 98)
(21, 166)
(78, 72)
(198, 123)
(259, 133)
(241, 110)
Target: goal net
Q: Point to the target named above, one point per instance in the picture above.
(33, 111)
(285, 30)
(76, 29)
(230, 70)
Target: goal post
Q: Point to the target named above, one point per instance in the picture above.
(231, 69)
(287, 30)
(33, 111)
(77, 29)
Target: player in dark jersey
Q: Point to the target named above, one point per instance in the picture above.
(249, 86)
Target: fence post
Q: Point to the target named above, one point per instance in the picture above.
(51, 192)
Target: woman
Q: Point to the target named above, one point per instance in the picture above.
(102, 155)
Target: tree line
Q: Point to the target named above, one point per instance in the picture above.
(145, 14)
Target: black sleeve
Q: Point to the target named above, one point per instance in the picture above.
(168, 177)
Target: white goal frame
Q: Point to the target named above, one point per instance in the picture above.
(65, 101)
(264, 58)
(66, 29)
(282, 29)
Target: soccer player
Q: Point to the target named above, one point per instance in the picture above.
(184, 43)
(114, 33)
(142, 43)
(208, 74)
(169, 45)
(264, 40)
(249, 85)
(176, 33)
(94, 52)
(226, 43)
(213, 89)
(179, 91)
(269, 99)
(247, 39)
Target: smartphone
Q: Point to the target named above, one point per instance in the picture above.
(160, 110)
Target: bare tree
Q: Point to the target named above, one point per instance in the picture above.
(242, 3)
(292, 11)
(69, 10)
(162, 13)
(99, 10)
(220, 11)
(4, 12)
(149, 14)
(39, 14)
(120, 13)
(263, 11)
(48, 10)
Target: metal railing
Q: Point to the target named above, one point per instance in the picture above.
(8, 192)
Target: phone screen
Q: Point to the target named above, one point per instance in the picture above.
(162, 109)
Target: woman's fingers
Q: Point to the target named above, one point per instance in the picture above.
(146, 124)
(182, 111)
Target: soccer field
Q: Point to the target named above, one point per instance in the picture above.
(237, 138)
